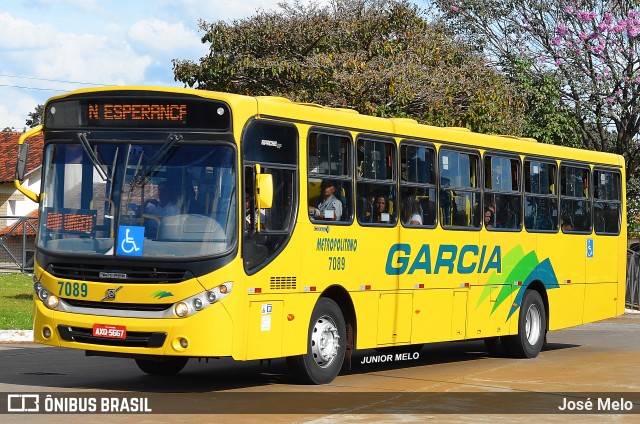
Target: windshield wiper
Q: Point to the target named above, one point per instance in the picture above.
(142, 173)
(82, 137)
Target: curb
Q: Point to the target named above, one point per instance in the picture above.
(16, 336)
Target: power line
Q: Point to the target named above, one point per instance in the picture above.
(52, 80)
(32, 88)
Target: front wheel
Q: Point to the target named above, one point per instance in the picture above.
(532, 327)
(326, 345)
(166, 366)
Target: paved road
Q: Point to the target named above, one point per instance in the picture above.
(442, 382)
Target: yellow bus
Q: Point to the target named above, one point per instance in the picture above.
(178, 223)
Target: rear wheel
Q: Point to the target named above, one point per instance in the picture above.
(532, 327)
(166, 366)
(326, 345)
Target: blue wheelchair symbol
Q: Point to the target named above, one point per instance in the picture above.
(130, 241)
(589, 248)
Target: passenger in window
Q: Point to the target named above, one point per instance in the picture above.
(411, 211)
(445, 206)
(567, 223)
(330, 207)
(166, 204)
(381, 210)
(366, 208)
(489, 219)
(156, 209)
(249, 216)
(189, 201)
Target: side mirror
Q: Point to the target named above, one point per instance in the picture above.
(264, 194)
(21, 166)
(264, 189)
(264, 186)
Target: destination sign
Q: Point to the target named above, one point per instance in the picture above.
(142, 112)
(138, 112)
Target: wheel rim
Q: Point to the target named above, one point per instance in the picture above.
(533, 324)
(324, 341)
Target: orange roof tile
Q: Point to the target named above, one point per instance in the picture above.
(9, 154)
(17, 228)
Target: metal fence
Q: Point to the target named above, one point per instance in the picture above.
(17, 243)
(632, 299)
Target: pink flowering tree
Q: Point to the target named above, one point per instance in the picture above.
(592, 47)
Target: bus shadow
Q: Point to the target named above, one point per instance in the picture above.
(558, 346)
(40, 368)
(22, 296)
(431, 354)
(69, 369)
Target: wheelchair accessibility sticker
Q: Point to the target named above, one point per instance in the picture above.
(130, 241)
(589, 248)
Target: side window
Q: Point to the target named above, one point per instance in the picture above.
(502, 201)
(376, 185)
(575, 200)
(540, 196)
(607, 202)
(266, 231)
(329, 181)
(459, 189)
(417, 185)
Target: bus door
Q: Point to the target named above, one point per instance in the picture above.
(269, 206)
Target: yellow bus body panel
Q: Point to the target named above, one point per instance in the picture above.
(268, 313)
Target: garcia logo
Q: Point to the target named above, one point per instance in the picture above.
(271, 143)
(161, 294)
(467, 259)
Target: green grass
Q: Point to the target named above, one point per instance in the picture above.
(16, 304)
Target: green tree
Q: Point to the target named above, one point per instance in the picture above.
(546, 118)
(591, 47)
(380, 57)
(36, 117)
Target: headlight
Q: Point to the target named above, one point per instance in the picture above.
(197, 303)
(181, 309)
(43, 294)
(37, 286)
(52, 301)
(211, 296)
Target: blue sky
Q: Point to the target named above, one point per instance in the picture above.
(48, 47)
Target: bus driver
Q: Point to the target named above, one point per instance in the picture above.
(330, 207)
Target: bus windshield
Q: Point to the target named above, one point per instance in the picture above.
(166, 199)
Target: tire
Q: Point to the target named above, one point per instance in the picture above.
(168, 366)
(326, 345)
(532, 327)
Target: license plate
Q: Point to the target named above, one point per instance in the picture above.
(110, 331)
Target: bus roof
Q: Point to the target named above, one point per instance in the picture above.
(401, 128)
